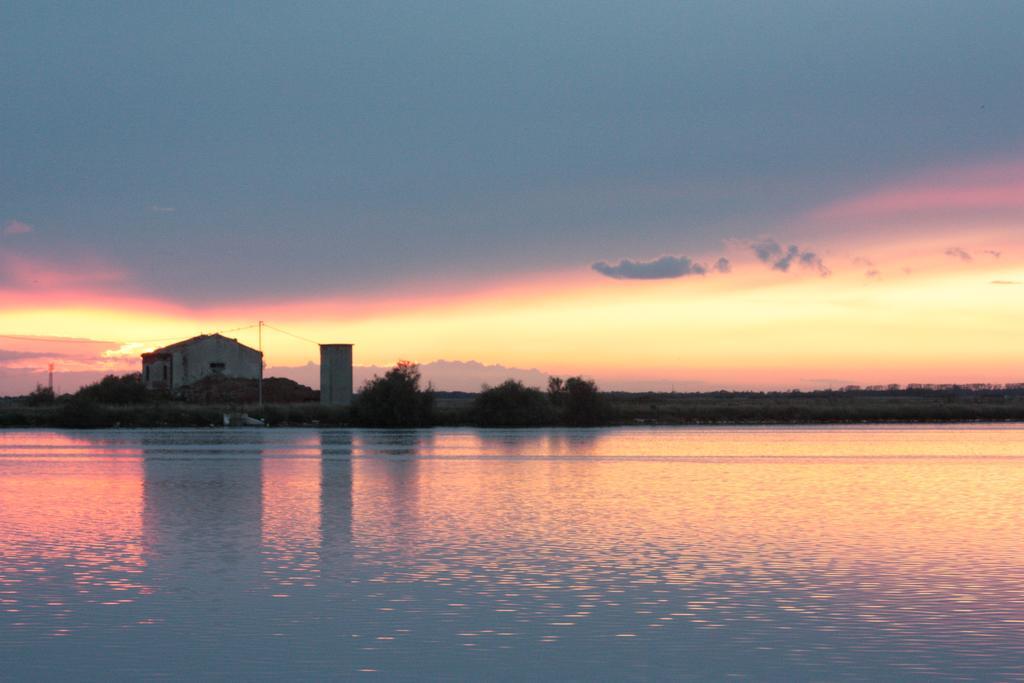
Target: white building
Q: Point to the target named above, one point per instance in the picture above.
(178, 365)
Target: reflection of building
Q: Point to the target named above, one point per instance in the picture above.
(335, 499)
(267, 516)
(307, 511)
(203, 511)
(185, 362)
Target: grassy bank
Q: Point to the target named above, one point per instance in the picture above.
(462, 409)
(80, 415)
(816, 407)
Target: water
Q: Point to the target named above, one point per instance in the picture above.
(867, 553)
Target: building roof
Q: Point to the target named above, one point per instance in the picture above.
(188, 342)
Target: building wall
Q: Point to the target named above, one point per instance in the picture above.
(156, 372)
(204, 357)
(336, 374)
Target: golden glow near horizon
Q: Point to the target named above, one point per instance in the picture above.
(939, 301)
(759, 331)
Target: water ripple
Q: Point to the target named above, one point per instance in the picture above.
(803, 553)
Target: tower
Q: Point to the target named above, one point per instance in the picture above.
(336, 374)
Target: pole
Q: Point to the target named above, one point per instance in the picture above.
(51, 378)
(260, 383)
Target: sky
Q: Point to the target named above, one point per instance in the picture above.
(659, 195)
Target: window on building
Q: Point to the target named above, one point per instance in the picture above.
(146, 373)
(216, 368)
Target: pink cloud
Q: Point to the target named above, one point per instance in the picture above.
(17, 228)
(18, 271)
(26, 359)
(9, 358)
(32, 354)
(992, 187)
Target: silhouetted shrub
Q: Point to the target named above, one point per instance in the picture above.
(579, 400)
(41, 396)
(114, 389)
(511, 404)
(13, 418)
(395, 400)
(556, 391)
(79, 413)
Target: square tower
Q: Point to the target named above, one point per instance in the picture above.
(336, 374)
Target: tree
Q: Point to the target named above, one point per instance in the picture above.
(115, 389)
(556, 390)
(395, 400)
(41, 396)
(580, 401)
(511, 404)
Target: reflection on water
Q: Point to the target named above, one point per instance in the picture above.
(838, 553)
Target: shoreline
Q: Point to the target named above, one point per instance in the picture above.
(623, 410)
(610, 425)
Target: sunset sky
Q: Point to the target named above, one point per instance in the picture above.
(688, 196)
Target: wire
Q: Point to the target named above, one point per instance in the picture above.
(277, 329)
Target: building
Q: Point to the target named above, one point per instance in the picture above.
(336, 374)
(185, 362)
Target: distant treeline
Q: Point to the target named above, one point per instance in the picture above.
(923, 388)
(398, 399)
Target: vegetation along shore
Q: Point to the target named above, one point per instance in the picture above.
(399, 400)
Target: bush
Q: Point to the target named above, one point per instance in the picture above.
(114, 389)
(580, 401)
(556, 391)
(395, 400)
(79, 413)
(511, 404)
(42, 396)
(14, 418)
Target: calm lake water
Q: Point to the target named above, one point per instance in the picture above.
(868, 553)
